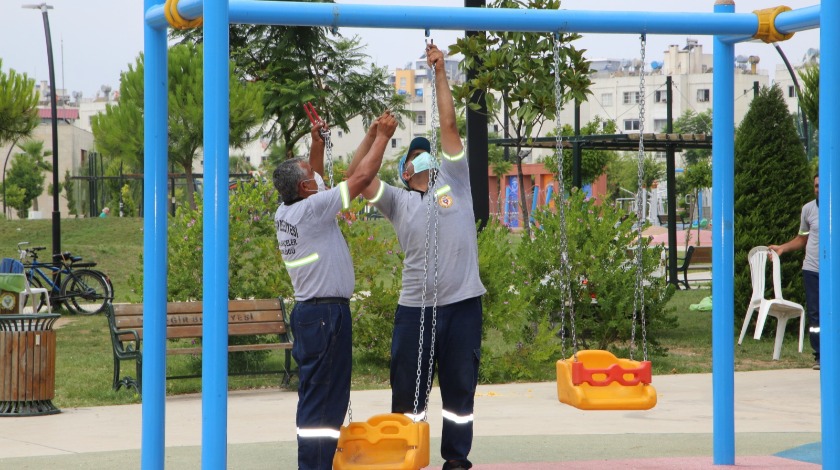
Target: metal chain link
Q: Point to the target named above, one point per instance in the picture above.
(329, 147)
(639, 293)
(431, 215)
(565, 266)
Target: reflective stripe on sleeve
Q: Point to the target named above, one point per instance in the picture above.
(456, 418)
(303, 261)
(379, 193)
(804, 233)
(443, 190)
(318, 432)
(417, 417)
(814, 329)
(345, 195)
(453, 158)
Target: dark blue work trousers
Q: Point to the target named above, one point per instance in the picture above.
(457, 344)
(323, 351)
(811, 280)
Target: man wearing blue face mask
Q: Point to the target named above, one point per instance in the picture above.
(457, 345)
(319, 264)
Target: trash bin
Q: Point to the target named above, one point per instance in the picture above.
(27, 364)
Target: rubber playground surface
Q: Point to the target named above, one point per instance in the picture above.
(517, 426)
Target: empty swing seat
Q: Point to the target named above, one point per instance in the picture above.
(598, 380)
(389, 441)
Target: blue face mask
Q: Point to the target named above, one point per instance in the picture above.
(423, 162)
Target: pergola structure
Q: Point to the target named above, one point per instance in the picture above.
(727, 27)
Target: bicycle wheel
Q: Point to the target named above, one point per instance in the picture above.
(108, 283)
(37, 302)
(84, 292)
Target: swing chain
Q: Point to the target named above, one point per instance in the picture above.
(565, 265)
(639, 293)
(328, 145)
(431, 214)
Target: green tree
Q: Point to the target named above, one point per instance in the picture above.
(27, 173)
(692, 122)
(119, 131)
(307, 64)
(772, 182)
(18, 106)
(809, 100)
(516, 71)
(593, 163)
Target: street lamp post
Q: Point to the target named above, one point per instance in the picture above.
(56, 215)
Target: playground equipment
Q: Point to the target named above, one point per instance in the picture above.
(592, 379)
(728, 29)
(397, 441)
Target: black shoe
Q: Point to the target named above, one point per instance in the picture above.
(816, 366)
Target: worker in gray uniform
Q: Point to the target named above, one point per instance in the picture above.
(457, 343)
(319, 264)
(808, 238)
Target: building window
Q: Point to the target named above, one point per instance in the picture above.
(263, 159)
(402, 82)
(340, 134)
(606, 99)
(631, 124)
(659, 125)
(248, 159)
(703, 95)
(631, 97)
(421, 118)
(791, 92)
(395, 143)
(660, 96)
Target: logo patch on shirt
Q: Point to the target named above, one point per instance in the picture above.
(445, 201)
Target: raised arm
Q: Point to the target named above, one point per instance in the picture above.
(362, 149)
(316, 150)
(450, 140)
(368, 166)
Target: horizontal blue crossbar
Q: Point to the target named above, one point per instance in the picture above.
(492, 19)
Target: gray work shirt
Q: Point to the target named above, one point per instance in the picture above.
(312, 246)
(457, 256)
(809, 224)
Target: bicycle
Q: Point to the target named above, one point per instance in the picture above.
(82, 291)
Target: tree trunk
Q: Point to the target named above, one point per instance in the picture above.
(190, 185)
(523, 203)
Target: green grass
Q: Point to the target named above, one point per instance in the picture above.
(84, 359)
(113, 243)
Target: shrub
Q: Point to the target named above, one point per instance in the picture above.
(599, 240)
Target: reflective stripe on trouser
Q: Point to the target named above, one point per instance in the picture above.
(323, 351)
(811, 281)
(457, 355)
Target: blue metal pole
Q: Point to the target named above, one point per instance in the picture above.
(156, 142)
(830, 233)
(799, 20)
(477, 19)
(216, 229)
(723, 252)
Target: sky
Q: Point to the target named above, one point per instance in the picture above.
(95, 40)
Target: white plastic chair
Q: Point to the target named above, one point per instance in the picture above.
(783, 310)
(13, 266)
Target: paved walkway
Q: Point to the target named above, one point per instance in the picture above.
(517, 426)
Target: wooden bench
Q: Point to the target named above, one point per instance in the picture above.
(696, 258)
(184, 319)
